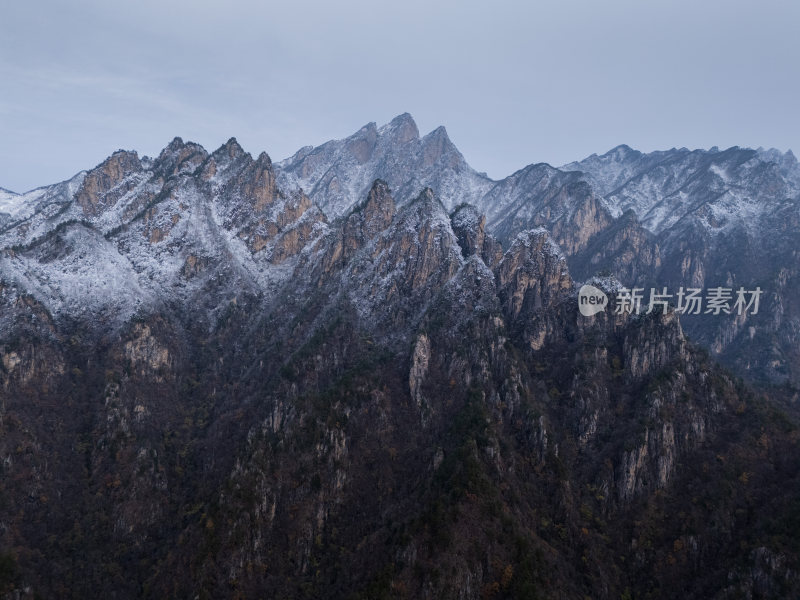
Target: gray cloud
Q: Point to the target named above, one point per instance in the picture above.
(514, 82)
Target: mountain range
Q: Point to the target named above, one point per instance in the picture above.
(362, 372)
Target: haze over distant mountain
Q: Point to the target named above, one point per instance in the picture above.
(362, 373)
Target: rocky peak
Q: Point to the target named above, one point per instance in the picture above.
(231, 149)
(176, 145)
(264, 160)
(261, 185)
(279, 386)
(623, 247)
(786, 162)
(621, 153)
(339, 173)
(367, 219)
(255, 182)
(223, 158)
(469, 226)
(428, 198)
(612, 169)
(401, 129)
(166, 156)
(105, 177)
(397, 273)
(179, 157)
(532, 274)
(437, 147)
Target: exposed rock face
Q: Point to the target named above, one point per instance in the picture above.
(397, 273)
(653, 343)
(338, 174)
(257, 183)
(716, 218)
(627, 250)
(533, 273)
(470, 227)
(210, 388)
(106, 183)
(364, 224)
(150, 225)
(673, 218)
(376, 215)
(373, 217)
(179, 158)
(541, 196)
(144, 352)
(419, 367)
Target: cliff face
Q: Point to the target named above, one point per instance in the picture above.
(691, 218)
(212, 389)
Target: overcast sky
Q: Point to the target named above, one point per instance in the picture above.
(513, 82)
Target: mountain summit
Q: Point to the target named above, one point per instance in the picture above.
(336, 174)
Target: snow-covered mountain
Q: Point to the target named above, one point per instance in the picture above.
(721, 189)
(339, 173)
(717, 189)
(672, 218)
(189, 226)
(364, 373)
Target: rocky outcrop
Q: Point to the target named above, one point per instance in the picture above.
(106, 183)
(533, 274)
(624, 248)
(144, 352)
(179, 158)
(652, 343)
(419, 367)
(470, 228)
(363, 224)
(398, 273)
